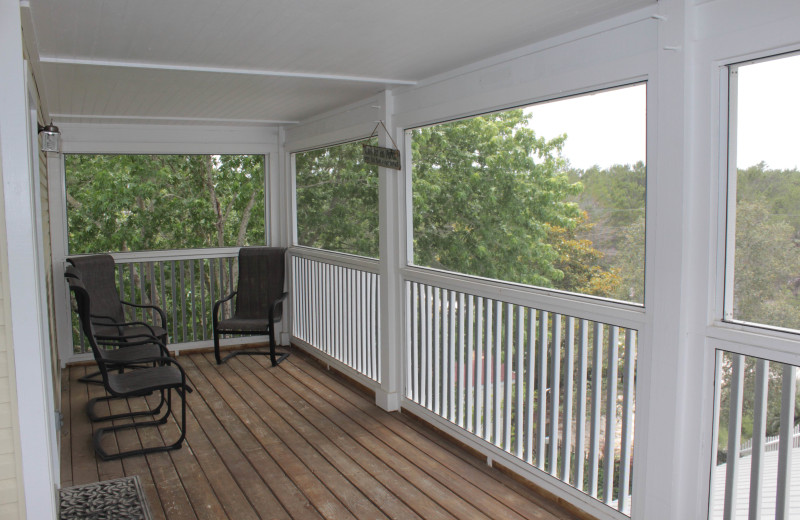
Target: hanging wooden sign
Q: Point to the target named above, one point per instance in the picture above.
(380, 156)
(383, 157)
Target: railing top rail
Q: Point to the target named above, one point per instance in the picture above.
(173, 254)
(370, 265)
(583, 307)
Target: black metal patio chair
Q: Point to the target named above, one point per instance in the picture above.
(164, 376)
(98, 275)
(259, 301)
(110, 325)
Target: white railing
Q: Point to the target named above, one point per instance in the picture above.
(771, 443)
(335, 308)
(185, 284)
(755, 478)
(553, 390)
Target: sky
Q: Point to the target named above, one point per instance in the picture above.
(609, 127)
(602, 129)
(769, 114)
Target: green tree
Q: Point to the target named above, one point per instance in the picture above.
(490, 198)
(580, 261)
(337, 200)
(779, 190)
(766, 267)
(616, 195)
(152, 202)
(629, 261)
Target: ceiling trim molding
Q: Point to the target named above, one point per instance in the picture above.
(220, 70)
(62, 117)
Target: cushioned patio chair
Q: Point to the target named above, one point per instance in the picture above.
(259, 301)
(98, 275)
(164, 376)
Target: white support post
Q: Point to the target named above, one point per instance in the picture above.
(31, 368)
(392, 210)
(669, 485)
(279, 191)
(59, 248)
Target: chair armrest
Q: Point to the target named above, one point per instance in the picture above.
(134, 341)
(274, 307)
(217, 305)
(98, 317)
(161, 313)
(119, 327)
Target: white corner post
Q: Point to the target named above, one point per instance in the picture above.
(31, 362)
(392, 213)
(667, 440)
(279, 192)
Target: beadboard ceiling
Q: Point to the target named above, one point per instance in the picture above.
(268, 62)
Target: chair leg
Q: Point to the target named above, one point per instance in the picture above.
(98, 435)
(216, 347)
(94, 417)
(91, 379)
(274, 357)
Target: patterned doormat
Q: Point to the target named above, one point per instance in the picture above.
(118, 499)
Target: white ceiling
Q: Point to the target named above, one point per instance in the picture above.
(271, 61)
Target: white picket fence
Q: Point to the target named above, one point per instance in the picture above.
(770, 443)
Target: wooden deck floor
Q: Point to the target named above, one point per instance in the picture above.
(293, 442)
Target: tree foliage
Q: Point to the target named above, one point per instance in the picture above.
(337, 200)
(490, 199)
(152, 202)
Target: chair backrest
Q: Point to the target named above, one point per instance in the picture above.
(261, 276)
(97, 273)
(83, 300)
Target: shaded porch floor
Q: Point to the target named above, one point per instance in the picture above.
(292, 442)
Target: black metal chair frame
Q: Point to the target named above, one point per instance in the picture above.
(116, 318)
(125, 333)
(165, 376)
(266, 326)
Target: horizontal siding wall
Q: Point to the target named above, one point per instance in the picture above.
(10, 464)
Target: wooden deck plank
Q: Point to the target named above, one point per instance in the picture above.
(297, 440)
(66, 428)
(169, 487)
(327, 447)
(371, 434)
(205, 502)
(380, 471)
(129, 440)
(523, 496)
(220, 450)
(488, 495)
(270, 480)
(221, 476)
(84, 465)
(307, 478)
(106, 469)
(292, 442)
(243, 426)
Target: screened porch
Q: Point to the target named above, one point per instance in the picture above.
(541, 258)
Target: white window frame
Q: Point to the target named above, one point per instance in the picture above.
(331, 253)
(739, 336)
(557, 293)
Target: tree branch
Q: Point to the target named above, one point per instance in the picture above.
(245, 219)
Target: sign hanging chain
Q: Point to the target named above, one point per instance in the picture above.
(375, 133)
